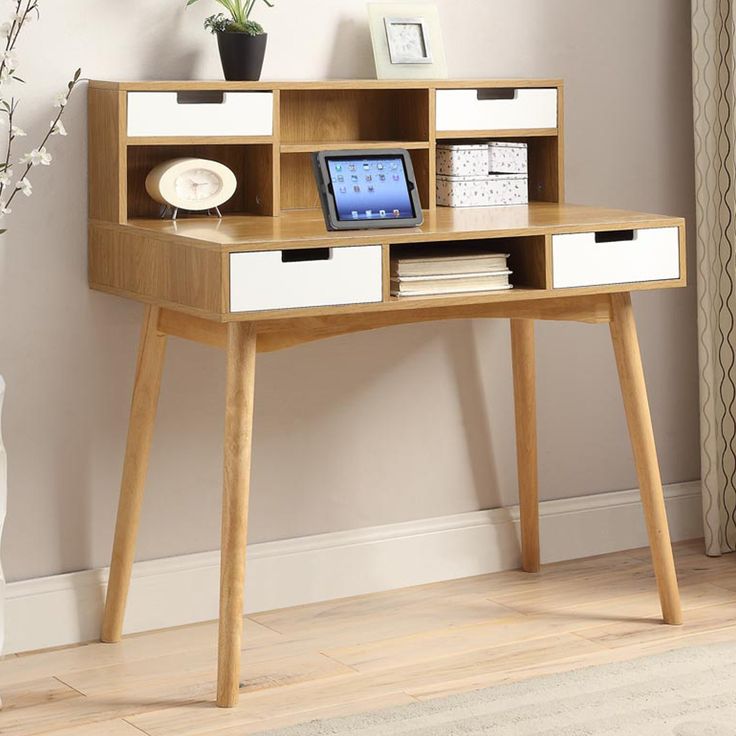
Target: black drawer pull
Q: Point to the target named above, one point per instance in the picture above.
(306, 254)
(497, 93)
(614, 236)
(200, 97)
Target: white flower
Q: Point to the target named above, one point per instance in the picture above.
(5, 29)
(25, 186)
(18, 132)
(6, 177)
(57, 128)
(37, 157)
(9, 59)
(61, 100)
(5, 210)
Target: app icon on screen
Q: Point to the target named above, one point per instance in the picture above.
(355, 214)
(382, 213)
(356, 189)
(369, 213)
(397, 213)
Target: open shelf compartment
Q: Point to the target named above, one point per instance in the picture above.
(528, 260)
(252, 166)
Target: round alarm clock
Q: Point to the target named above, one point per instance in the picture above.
(191, 184)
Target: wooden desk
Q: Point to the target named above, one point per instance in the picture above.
(190, 274)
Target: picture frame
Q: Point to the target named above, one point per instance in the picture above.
(407, 40)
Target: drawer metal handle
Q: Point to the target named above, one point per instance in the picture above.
(306, 254)
(200, 97)
(614, 236)
(497, 93)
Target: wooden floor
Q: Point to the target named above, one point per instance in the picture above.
(370, 652)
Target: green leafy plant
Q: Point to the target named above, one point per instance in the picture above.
(238, 18)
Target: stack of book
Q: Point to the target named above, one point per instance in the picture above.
(430, 272)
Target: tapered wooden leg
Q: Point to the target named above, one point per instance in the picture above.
(241, 363)
(140, 431)
(633, 387)
(522, 355)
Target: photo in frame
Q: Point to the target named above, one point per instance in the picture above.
(407, 41)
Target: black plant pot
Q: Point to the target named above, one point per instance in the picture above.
(242, 55)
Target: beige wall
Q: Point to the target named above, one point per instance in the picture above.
(407, 423)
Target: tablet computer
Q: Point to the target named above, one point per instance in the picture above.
(367, 189)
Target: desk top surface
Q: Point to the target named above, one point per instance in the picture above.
(303, 228)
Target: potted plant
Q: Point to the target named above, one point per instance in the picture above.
(242, 41)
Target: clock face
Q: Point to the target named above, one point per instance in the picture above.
(197, 185)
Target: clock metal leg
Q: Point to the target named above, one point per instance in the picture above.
(241, 362)
(523, 359)
(140, 431)
(633, 388)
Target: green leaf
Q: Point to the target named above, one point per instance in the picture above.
(191, 2)
(2, 232)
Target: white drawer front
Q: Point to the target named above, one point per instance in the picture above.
(652, 255)
(165, 114)
(260, 281)
(462, 109)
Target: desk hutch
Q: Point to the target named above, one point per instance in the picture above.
(235, 283)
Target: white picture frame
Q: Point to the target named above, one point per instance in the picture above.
(407, 40)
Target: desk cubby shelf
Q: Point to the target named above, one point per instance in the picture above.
(238, 283)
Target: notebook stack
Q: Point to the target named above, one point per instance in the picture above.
(444, 271)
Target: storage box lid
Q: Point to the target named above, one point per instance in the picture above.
(462, 146)
(506, 144)
(488, 177)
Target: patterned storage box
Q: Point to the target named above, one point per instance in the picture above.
(482, 191)
(507, 158)
(463, 159)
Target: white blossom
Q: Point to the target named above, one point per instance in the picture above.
(61, 100)
(25, 186)
(5, 210)
(9, 59)
(37, 157)
(18, 132)
(6, 177)
(5, 29)
(57, 128)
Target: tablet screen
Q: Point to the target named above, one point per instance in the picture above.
(370, 188)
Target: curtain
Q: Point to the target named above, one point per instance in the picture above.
(714, 100)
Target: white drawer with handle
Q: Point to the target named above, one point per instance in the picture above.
(200, 113)
(496, 109)
(615, 257)
(311, 277)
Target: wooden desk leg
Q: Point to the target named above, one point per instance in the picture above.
(633, 387)
(523, 359)
(241, 363)
(140, 431)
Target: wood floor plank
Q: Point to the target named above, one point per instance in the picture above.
(639, 632)
(117, 727)
(132, 648)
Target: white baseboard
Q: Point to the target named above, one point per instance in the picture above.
(66, 609)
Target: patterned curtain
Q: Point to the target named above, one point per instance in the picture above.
(714, 87)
